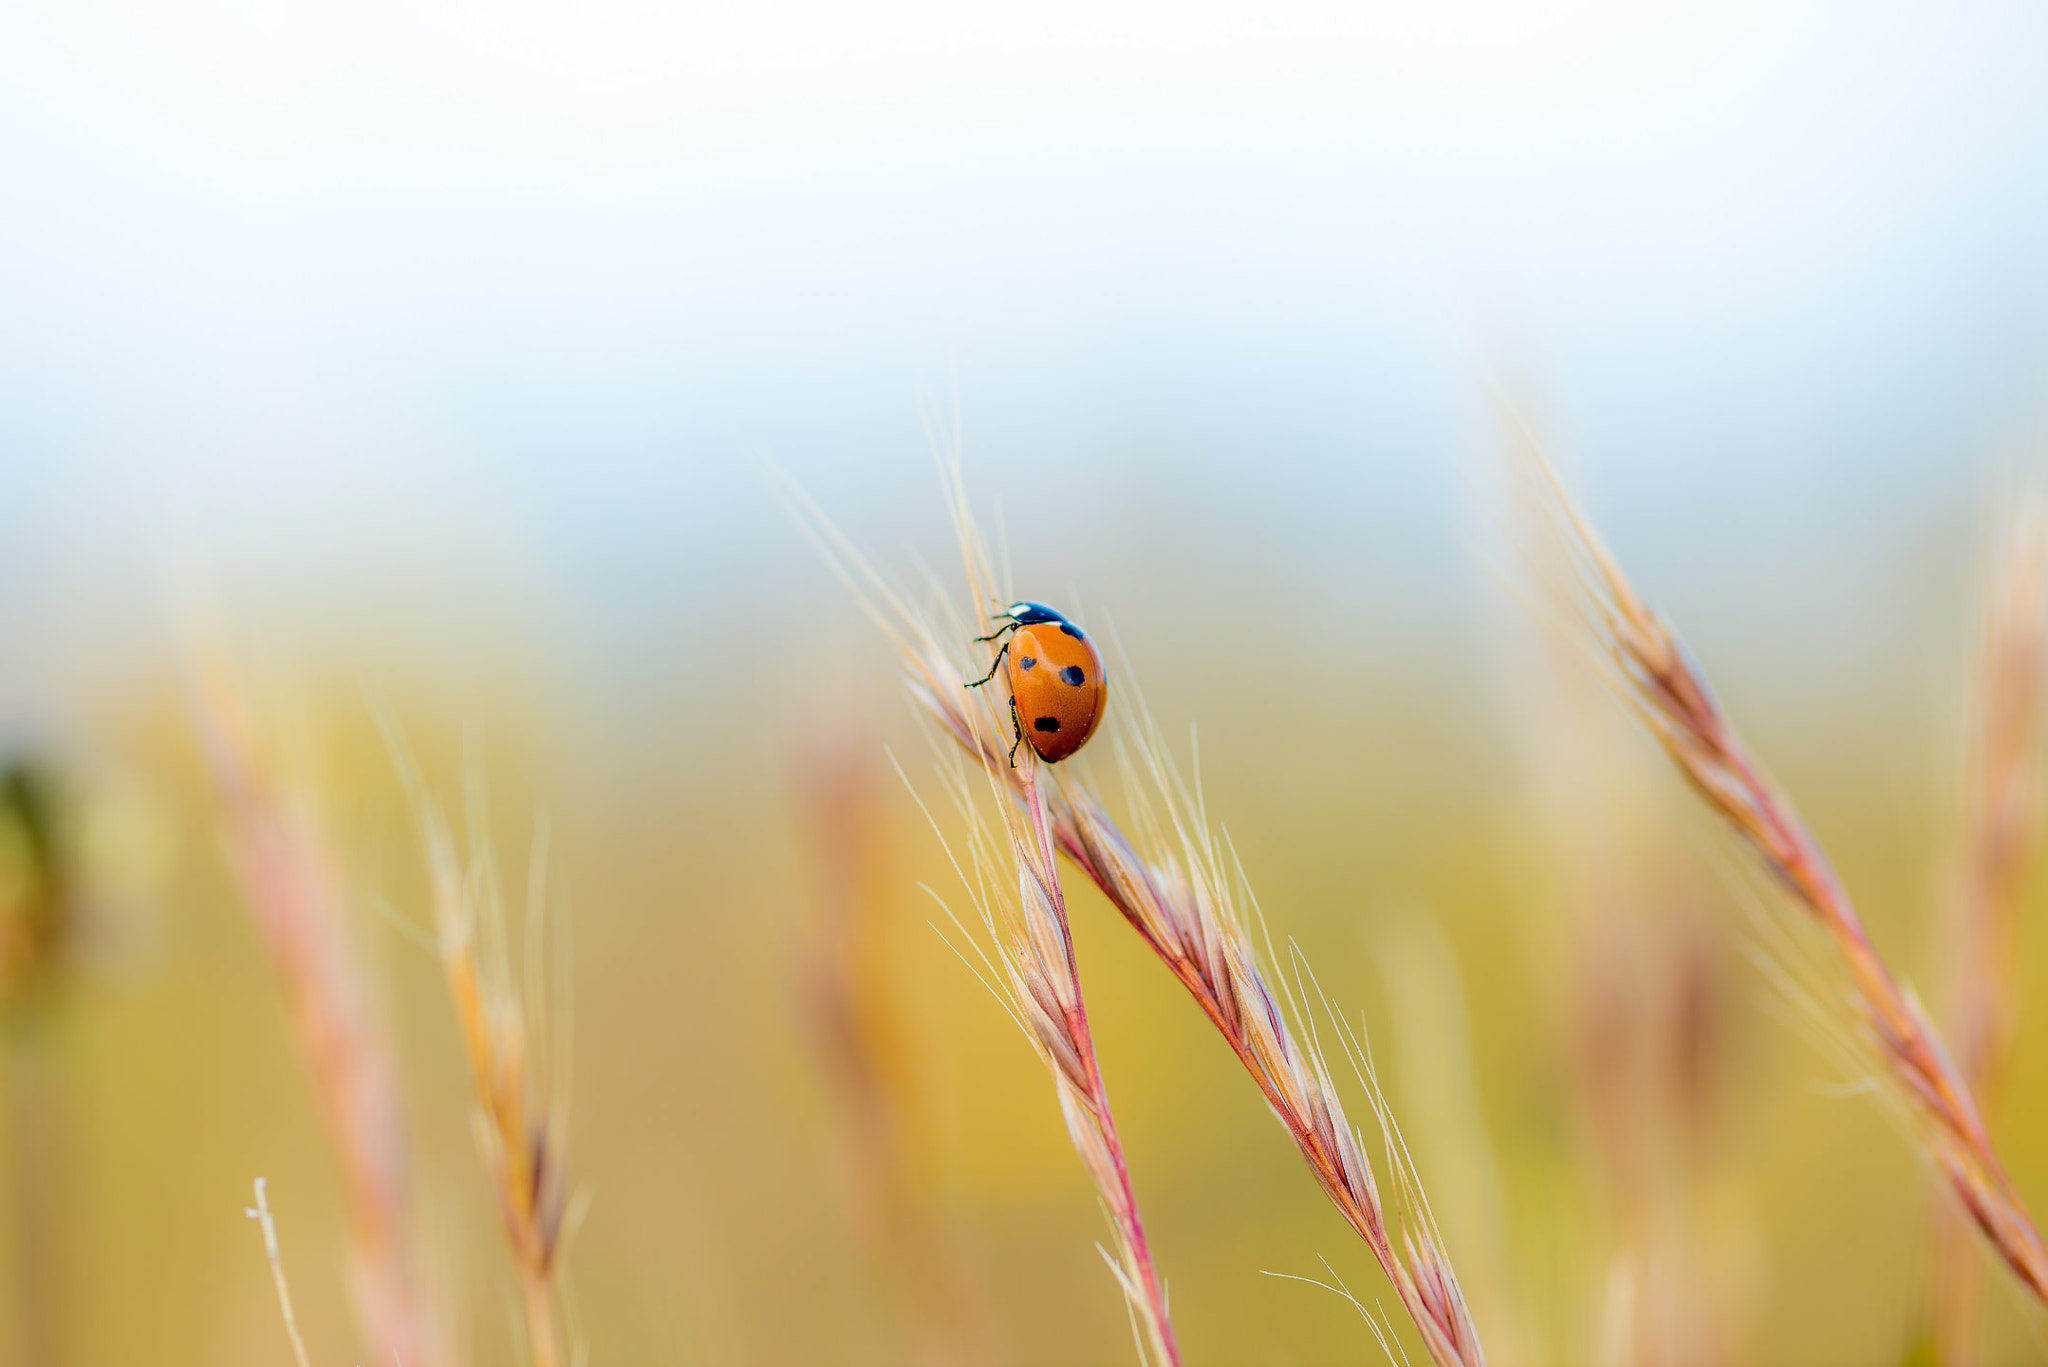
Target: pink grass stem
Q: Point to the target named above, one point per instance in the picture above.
(1122, 1199)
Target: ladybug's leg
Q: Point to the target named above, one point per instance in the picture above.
(992, 668)
(1017, 722)
(997, 617)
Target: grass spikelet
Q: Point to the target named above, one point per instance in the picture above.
(1180, 897)
(1036, 975)
(1650, 671)
(1977, 924)
(299, 903)
(522, 1094)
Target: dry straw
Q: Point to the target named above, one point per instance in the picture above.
(1652, 674)
(1979, 919)
(299, 903)
(1646, 1027)
(1181, 901)
(522, 1093)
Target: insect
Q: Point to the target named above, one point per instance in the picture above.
(1058, 690)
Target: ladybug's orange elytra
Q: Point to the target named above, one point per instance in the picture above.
(1058, 689)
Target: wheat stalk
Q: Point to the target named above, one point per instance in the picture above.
(1653, 675)
(299, 904)
(1181, 903)
(522, 1095)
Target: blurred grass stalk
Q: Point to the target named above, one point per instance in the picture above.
(1648, 1032)
(1183, 906)
(1646, 1027)
(1651, 673)
(522, 1093)
(847, 1005)
(298, 900)
(38, 925)
(1976, 928)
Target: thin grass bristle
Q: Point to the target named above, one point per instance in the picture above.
(260, 1213)
(1181, 899)
(1652, 674)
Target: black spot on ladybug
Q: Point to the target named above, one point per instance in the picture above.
(1074, 675)
(1046, 724)
(1025, 662)
(1072, 631)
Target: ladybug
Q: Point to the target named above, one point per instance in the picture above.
(1058, 690)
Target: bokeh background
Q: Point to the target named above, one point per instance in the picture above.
(439, 358)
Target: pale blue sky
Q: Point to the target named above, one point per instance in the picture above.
(346, 297)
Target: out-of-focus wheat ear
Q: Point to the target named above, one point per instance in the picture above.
(299, 901)
(860, 1040)
(1646, 980)
(1977, 923)
(1658, 681)
(522, 1088)
(2000, 797)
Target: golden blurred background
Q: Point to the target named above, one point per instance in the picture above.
(1466, 874)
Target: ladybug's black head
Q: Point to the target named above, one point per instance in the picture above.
(1026, 613)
